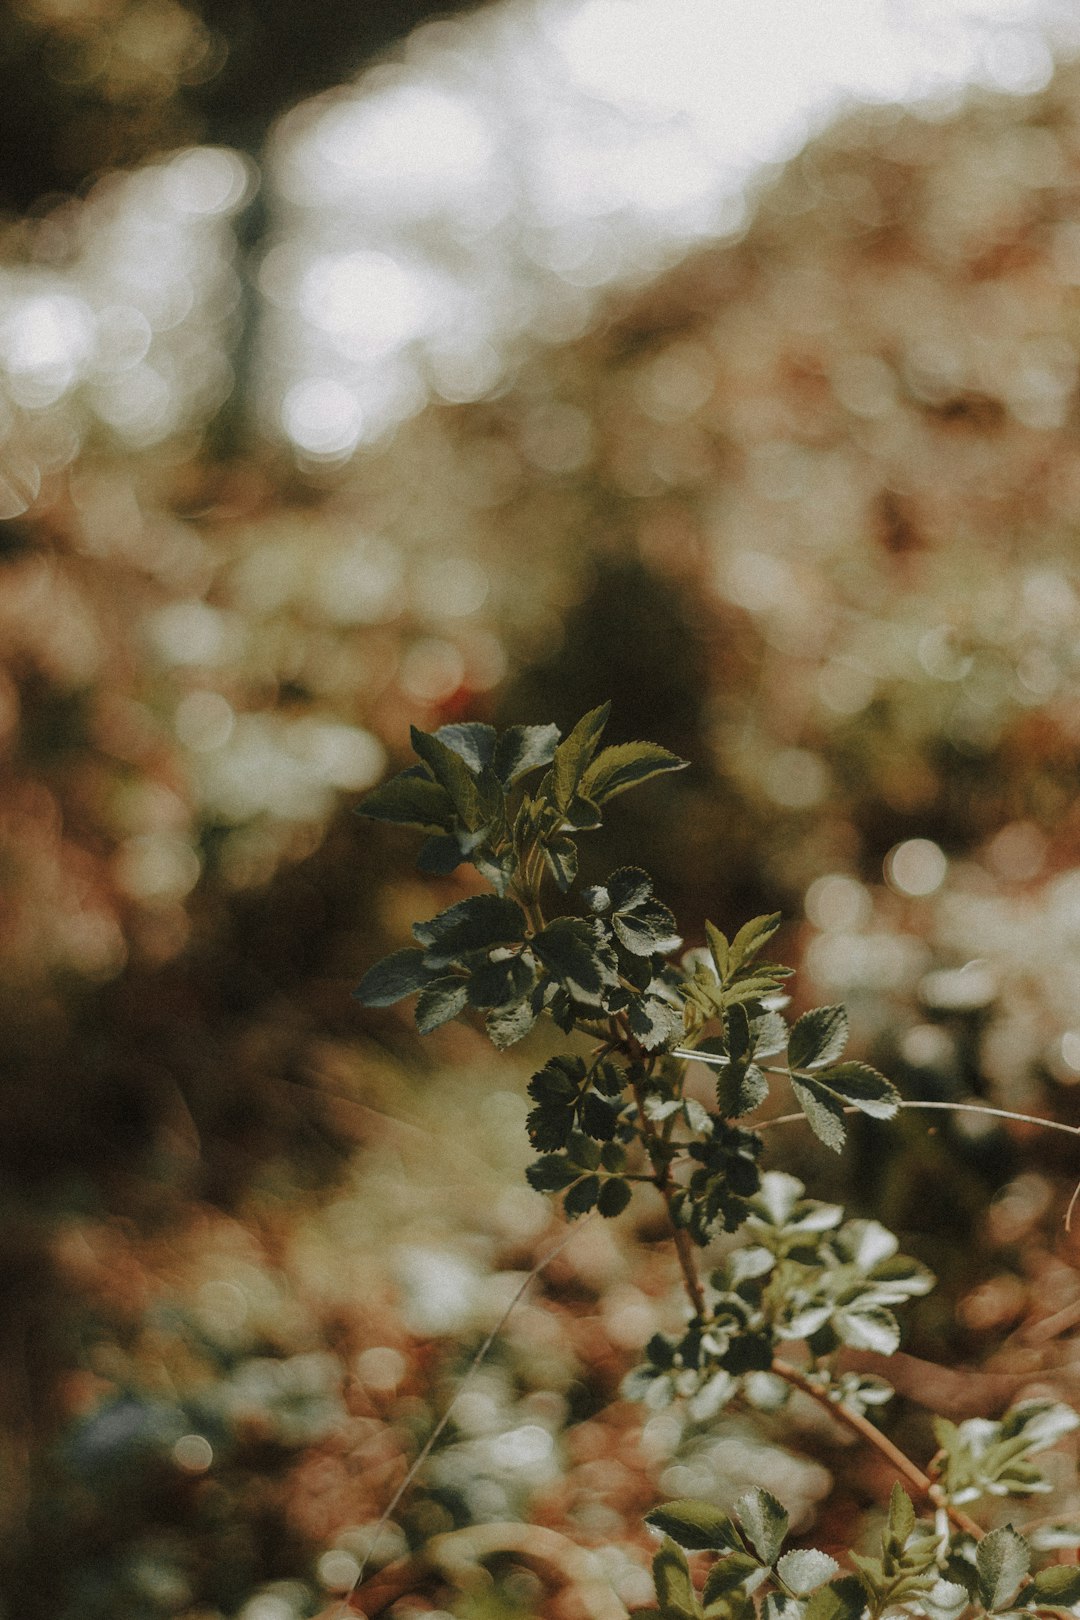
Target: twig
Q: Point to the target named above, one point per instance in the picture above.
(683, 1242)
(951, 1108)
(873, 1436)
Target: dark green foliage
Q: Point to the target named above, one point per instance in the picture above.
(478, 924)
(395, 976)
(804, 1282)
(465, 794)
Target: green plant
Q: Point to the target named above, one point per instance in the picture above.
(804, 1283)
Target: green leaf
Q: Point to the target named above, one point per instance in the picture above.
(844, 1599)
(471, 740)
(740, 1090)
(946, 1600)
(747, 1264)
(899, 1278)
(1039, 1422)
(452, 774)
(778, 1606)
(572, 757)
(863, 1087)
(697, 1116)
(561, 860)
(654, 1021)
(628, 888)
(1002, 1559)
(871, 1328)
(806, 1568)
(1059, 1585)
(599, 1118)
(570, 950)
(818, 1037)
(768, 1034)
(614, 1197)
(901, 1516)
(738, 1605)
(824, 1112)
(509, 1024)
(727, 1574)
(439, 856)
(613, 1156)
(648, 930)
(549, 1126)
(778, 1197)
(802, 1320)
(697, 1525)
(411, 799)
(500, 984)
(522, 749)
(583, 1151)
(637, 936)
(479, 923)
(442, 1000)
(752, 936)
(582, 1196)
(765, 1522)
(719, 949)
(551, 1173)
(625, 766)
(395, 976)
(582, 815)
(752, 989)
(674, 1588)
(609, 1079)
(552, 1084)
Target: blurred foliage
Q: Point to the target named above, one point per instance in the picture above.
(94, 85)
(807, 507)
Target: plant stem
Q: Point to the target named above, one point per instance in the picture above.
(947, 1107)
(873, 1436)
(684, 1247)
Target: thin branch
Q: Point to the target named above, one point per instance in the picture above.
(684, 1247)
(951, 1108)
(873, 1436)
(474, 1364)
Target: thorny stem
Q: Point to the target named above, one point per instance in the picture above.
(873, 1436)
(684, 1247)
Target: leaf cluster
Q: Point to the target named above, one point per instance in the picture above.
(915, 1572)
(823, 1085)
(981, 1457)
(496, 953)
